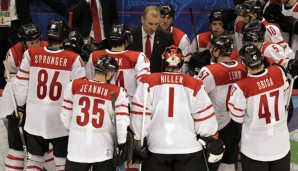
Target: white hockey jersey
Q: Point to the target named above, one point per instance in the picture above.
(275, 53)
(14, 57)
(218, 80)
(203, 41)
(40, 83)
(132, 66)
(258, 102)
(87, 113)
(177, 110)
(181, 41)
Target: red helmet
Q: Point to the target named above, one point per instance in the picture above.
(173, 57)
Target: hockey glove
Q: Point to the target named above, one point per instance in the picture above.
(139, 154)
(120, 158)
(214, 146)
(273, 13)
(293, 67)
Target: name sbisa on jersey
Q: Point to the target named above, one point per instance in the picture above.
(50, 60)
(265, 83)
(94, 89)
(171, 79)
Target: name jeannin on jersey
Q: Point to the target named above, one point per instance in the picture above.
(94, 89)
(265, 83)
(171, 79)
(51, 60)
(235, 75)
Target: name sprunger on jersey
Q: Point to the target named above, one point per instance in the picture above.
(235, 75)
(86, 88)
(171, 79)
(265, 83)
(51, 60)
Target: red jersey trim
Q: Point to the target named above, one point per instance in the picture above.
(238, 109)
(23, 71)
(14, 167)
(208, 107)
(121, 106)
(140, 113)
(67, 108)
(14, 158)
(122, 113)
(205, 118)
(34, 167)
(21, 78)
(237, 116)
(139, 105)
(68, 101)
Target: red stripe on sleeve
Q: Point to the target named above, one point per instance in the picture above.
(205, 118)
(67, 108)
(68, 101)
(14, 167)
(208, 107)
(139, 105)
(238, 109)
(122, 113)
(237, 116)
(121, 106)
(139, 113)
(21, 78)
(23, 71)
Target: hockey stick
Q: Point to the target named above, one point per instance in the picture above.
(292, 79)
(193, 29)
(70, 15)
(113, 119)
(146, 85)
(17, 114)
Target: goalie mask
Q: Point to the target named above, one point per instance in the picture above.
(172, 57)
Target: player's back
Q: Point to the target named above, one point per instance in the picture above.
(174, 97)
(48, 72)
(132, 66)
(266, 121)
(218, 80)
(91, 125)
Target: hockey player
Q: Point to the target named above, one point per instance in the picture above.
(40, 81)
(30, 37)
(84, 96)
(218, 79)
(286, 15)
(258, 102)
(177, 111)
(132, 64)
(74, 42)
(251, 10)
(181, 40)
(221, 22)
(253, 32)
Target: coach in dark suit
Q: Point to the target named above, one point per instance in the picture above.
(8, 35)
(159, 39)
(82, 18)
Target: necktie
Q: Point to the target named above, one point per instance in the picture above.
(148, 47)
(95, 21)
(4, 5)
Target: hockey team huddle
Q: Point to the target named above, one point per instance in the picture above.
(75, 104)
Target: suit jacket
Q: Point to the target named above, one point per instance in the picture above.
(82, 19)
(162, 40)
